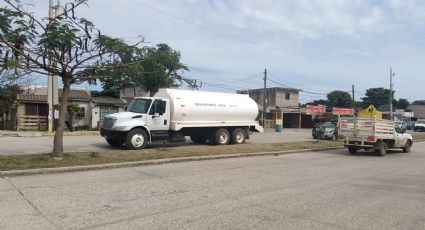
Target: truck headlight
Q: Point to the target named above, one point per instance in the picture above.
(118, 128)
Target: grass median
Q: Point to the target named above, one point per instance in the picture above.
(35, 161)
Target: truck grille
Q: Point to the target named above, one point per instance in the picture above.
(107, 123)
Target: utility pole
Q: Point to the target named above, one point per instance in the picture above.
(352, 92)
(52, 83)
(391, 93)
(264, 97)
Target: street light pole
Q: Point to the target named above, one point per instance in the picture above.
(391, 94)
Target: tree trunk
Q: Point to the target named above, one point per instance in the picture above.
(58, 140)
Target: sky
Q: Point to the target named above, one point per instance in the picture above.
(315, 46)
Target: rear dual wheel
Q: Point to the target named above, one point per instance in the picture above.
(223, 136)
(238, 136)
(220, 137)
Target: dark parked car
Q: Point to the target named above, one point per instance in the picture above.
(327, 130)
(410, 125)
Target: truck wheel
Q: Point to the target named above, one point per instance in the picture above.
(198, 139)
(406, 148)
(238, 136)
(221, 137)
(382, 148)
(352, 149)
(115, 143)
(136, 139)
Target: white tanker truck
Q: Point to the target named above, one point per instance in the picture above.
(172, 114)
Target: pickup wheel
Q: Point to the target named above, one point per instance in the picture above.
(406, 148)
(198, 139)
(238, 136)
(136, 139)
(382, 148)
(221, 137)
(115, 143)
(352, 149)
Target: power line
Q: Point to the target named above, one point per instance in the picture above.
(235, 37)
(303, 91)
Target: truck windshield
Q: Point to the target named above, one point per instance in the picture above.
(139, 105)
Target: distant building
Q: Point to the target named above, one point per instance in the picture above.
(277, 98)
(128, 94)
(280, 100)
(31, 109)
(418, 111)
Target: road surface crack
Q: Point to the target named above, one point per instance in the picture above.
(39, 212)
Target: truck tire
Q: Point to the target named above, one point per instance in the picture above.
(198, 139)
(406, 148)
(382, 148)
(136, 139)
(352, 149)
(238, 136)
(220, 137)
(114, 143)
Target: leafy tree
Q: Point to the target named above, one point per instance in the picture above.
(402, 104)
(318, 102)
(105, 93)
(8, 93)
(65, 45)
(377, 97)
(420, 102)
(339, 99)
(159, 68)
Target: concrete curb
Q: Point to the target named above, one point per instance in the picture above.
(74, 134)
(150, 162)
(45, 134)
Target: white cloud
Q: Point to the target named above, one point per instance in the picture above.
(320, 45)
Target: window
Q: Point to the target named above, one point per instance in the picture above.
(31, 109)
(139, 105)
(158, 106)
(287, 96)
(36, 109)
(81, 113)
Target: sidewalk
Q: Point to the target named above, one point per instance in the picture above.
(8, 133)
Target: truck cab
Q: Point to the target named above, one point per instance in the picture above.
(149, 114)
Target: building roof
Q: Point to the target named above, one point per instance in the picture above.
(108, 101)
(75, 94)
(30, 98)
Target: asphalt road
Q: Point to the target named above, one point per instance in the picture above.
(311, 190)
(29, 145)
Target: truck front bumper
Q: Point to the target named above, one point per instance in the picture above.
(113, 134)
